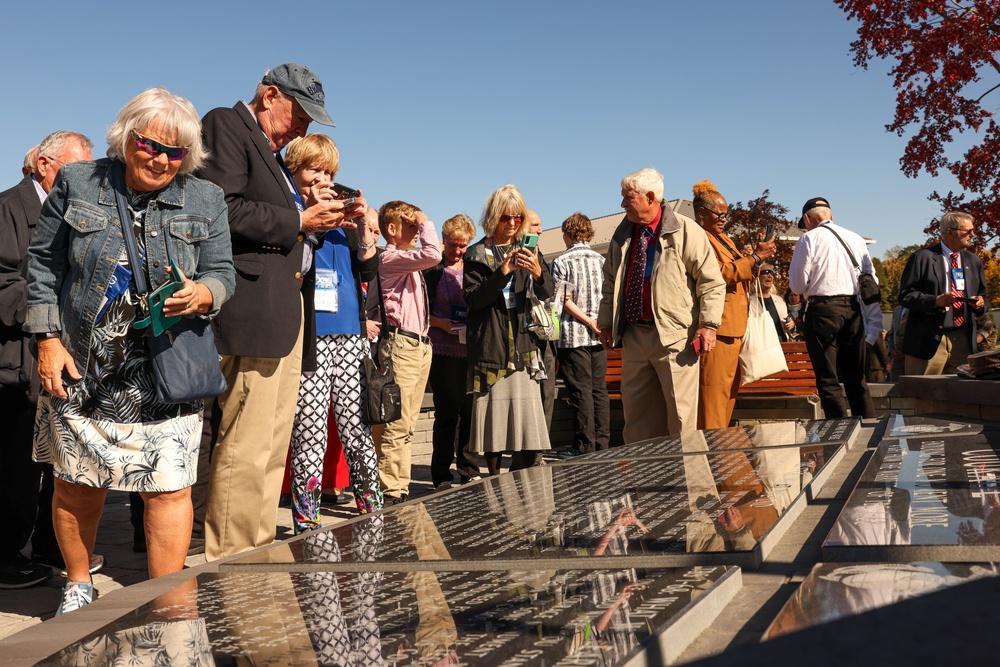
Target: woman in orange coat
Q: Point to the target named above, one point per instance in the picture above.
(720, 368)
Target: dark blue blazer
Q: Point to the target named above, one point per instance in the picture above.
(923, 279)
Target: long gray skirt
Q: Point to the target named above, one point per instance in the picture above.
(509, 417)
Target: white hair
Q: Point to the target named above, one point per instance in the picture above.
(643, 181)
(158, 107)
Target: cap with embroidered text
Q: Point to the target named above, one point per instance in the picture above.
(302, 84)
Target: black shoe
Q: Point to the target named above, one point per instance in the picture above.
(391, 500)
(197, 546)
(20, 572)
(55, 561)
(336, 499)
(568, 453)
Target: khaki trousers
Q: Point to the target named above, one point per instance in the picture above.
(953, 351)
(720, 381)
(411, 363)
(248, 462)
(659, 385)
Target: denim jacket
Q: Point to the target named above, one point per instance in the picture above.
(78, 240)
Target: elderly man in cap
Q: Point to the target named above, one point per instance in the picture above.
(944, 287)
(661, 301)
(834, 329)
(260, 330)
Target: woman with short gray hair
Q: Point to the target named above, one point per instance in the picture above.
(100, 422)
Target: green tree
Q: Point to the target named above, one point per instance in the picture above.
(892, 265)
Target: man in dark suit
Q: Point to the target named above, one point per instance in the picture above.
(20, 207)
(944, 288)
(259, 330)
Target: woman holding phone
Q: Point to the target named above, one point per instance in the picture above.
(504, 364)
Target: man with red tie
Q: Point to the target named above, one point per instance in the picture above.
(661, 302)
(944, 287)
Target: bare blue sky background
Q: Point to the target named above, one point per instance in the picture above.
(439, 103)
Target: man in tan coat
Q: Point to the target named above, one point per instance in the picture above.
(720, 370)
(661, 301)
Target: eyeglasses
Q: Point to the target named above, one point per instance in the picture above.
(767, 272)
(511, 218)
(154, 148)
(52, 159)
(718, 216)
(963, 232)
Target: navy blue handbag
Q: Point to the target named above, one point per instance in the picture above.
(185, 359)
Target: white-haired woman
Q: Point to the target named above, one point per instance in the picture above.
(504, 363)
(100, 423)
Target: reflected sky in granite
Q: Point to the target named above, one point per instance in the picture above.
(902, 426)
(533, 617)
(925, 492)
(711, 503)
(734, 438)
(837, 590)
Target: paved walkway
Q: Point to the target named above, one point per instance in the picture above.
(21, 609)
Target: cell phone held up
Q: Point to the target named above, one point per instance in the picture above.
(346, 194)
(769, 232)
(529, 242)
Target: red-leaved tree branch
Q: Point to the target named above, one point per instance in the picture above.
(945, 54)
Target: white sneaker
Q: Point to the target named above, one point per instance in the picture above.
(75, 594)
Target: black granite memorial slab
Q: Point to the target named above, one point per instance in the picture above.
(722, 508)
(835, 590)
(366, 619)
(925, 499)
(734, 438)
(902, 426)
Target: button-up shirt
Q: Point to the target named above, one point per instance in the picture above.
(403, 287)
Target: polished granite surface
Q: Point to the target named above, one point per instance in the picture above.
(734, 438)
(924, 497)
(836, 590)
(670, 507)
(366, 619)
(905, 426)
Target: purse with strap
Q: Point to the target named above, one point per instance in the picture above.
(383, 402)
(868, 288)
(185, 360)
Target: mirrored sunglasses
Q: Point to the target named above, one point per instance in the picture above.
(154, 148)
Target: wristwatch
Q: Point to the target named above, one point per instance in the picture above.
(45, 335)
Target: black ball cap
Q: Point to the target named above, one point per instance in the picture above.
(815, 202)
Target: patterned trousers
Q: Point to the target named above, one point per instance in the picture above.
(339, 378)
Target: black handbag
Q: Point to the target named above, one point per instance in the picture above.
(868, 288)
(383, 403)
(185, 359)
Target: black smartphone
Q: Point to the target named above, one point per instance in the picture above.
(769, 232)
(344, 192)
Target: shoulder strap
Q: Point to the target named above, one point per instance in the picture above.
(847, 248)
(116, 171)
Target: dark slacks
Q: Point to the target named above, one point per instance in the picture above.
(583, 370)
(20, 476)
(835, 339)
(452, 414)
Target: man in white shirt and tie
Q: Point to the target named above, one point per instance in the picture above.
(944, 287)
(834, 327)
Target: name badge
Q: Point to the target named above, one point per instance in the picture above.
(116, 287)
(508, 295)
(326, 290)
(958, 278)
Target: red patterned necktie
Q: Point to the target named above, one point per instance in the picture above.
(958, 310)
(636, 276)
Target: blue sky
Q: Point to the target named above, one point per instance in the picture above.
(439, 103)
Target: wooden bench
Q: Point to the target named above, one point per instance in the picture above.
(787, 395)
(798, 380)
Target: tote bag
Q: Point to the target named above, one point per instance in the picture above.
(761, 354)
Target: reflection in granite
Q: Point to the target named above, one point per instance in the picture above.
(722, 502)
(733, 438)
(901, 426)
(926, 493)
(535, 617)
(833, 590)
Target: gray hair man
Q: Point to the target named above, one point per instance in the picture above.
(260, 330)
(944, 288)
(28, 166)
(24, 509)
(661, 301)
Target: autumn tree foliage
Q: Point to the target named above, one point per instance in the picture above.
(747, 224)
(945, 67)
